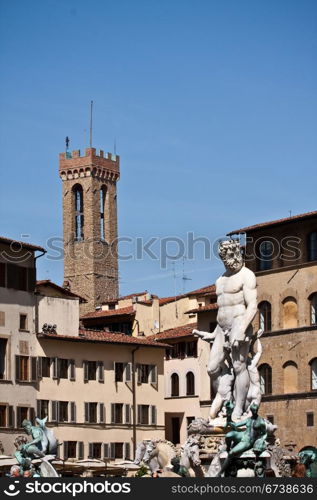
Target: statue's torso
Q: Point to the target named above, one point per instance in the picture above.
(230, 298)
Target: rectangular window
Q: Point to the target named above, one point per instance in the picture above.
(181, 348)
(310, 419)
(63, 411)
(46, 367)
(63, 368)
(22, 414)
(95, 450)
(92, 367)
(191, 349)
(118, 450)
(91, 413)
(70, 449)
(144, 372)
(42, 408)
(23, 322)
(117, 413)
(2, 274)
(3, 350)
(3, 416)
(143, 414)
(22, 368)
(119, 370)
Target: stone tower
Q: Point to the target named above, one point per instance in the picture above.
(90, 225)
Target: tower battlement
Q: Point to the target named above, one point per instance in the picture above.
(72, 165)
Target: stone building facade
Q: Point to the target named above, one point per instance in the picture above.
(90, 225)
(283, 255)
(18, 344)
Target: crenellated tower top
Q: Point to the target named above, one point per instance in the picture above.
(73, 166)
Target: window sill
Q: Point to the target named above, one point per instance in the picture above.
(181, 397)
(6, 381)
(24, 330)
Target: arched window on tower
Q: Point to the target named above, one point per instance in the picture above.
(313, 308)
(79, 212)
(290, 314)
(103, 195)
(190, 384)
(174, 385)
(290, 375)
(265, 316)
(313, 366)
(312, 246)
(265, 372)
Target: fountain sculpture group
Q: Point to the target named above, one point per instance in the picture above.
(234, 440)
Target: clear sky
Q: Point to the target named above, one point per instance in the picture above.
(212, 103)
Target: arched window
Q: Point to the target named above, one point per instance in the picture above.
(266, 254)
(290, 316)
(265, 372)
(265, 316)
(190, 384)
(290, 373)
(174, 385)
(312, 246)
(79, 212)
(313, 366)
(313, 308)
(103, 195)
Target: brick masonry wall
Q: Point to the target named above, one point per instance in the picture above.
(91, 265)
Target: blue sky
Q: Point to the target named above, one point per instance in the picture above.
(212, 103)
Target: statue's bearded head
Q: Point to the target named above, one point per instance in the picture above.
(230, 254)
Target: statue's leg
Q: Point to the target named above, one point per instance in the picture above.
(216, 358)
(216, 406)
(34, 450)
(242, 381)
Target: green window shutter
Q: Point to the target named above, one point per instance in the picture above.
(101, 413)
(101, 376)
(10, 416)
(33, 369)
(153, 415)
(127, 414)
(80, 450)
(113, 413)
(127, 451)
(85, 369)
(86, 412)
(54, 412)
(72, 411)
(106, 450)
(128, 372)
(72, 369)
(65, 450)
(17, 369)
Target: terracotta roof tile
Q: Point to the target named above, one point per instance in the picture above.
(23, 244)
(209, 307)
(60, 289)
(123, 311)
(172, 333)
(107, 337)
(206, 290)
(294, 218)
(125, 297)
